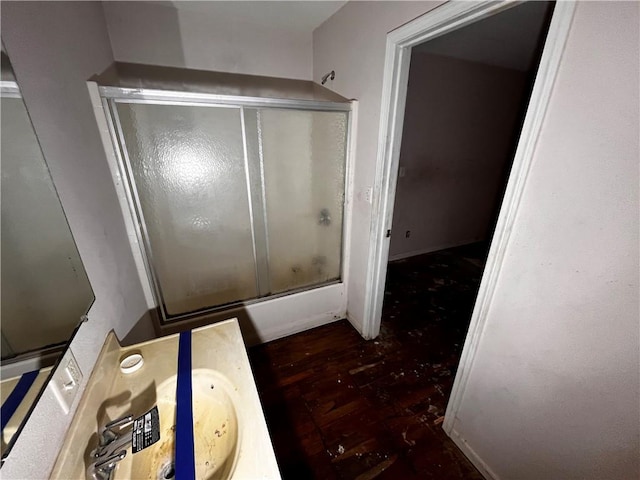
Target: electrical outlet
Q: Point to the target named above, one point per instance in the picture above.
(65, 382)
(402, 171)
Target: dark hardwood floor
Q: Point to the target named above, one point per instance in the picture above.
(338, 406)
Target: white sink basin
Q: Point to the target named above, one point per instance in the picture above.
(216, 432)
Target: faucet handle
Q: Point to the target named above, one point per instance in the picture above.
(118, 422)
(110, 463)
(102, 469)
(107, 435)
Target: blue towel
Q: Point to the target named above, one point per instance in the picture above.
(15, 398)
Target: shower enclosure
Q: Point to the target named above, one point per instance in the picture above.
(236, 183)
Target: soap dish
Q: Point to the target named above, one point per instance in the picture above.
(131, 363)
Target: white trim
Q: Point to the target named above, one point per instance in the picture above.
(121, 191)
(473, 456)
(443, 19)
(10, 89)
(347, 212)
(439, 21)
(171, 97)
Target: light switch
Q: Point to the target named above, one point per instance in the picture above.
(65, 382)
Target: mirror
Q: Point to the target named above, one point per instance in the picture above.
(44, 287)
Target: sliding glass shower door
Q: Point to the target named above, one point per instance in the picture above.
(189, 172)
(234, 203)
(303, 155)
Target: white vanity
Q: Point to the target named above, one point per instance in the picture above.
(229, 429)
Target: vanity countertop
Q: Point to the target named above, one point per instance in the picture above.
(112, 394)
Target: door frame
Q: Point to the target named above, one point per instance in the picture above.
(443, 19)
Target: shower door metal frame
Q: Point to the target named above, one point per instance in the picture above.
(9, 89)
(110, 96)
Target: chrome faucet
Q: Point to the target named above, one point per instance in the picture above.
(113, 442)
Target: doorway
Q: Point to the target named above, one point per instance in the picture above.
(488, 202)
(466, 96)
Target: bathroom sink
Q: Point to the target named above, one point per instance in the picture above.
(215, 429)
(231, 439)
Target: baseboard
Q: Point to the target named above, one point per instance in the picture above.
(434, 248)
(473, 457)
(356, 323)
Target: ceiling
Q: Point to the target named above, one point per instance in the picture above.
(508, 39)
(301, 16)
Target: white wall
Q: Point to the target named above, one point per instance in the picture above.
(457, 140)
(54, 48)
(554, 388)
(159, 34)
(352, 42)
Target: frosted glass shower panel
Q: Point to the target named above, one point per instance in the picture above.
(303, 155)
(189, 171)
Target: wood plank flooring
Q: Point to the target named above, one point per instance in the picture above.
(340, 407)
